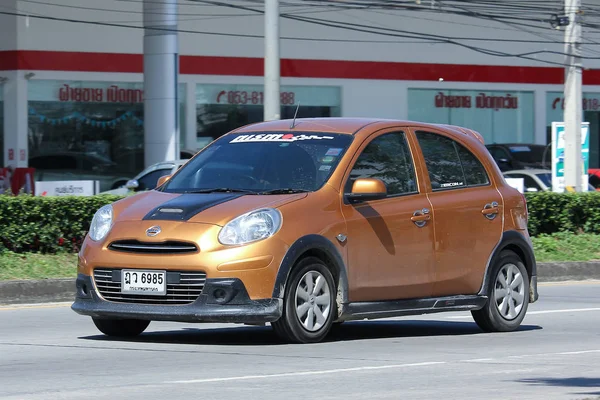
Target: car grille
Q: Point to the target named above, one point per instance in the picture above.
(171, 247)
(183, 287)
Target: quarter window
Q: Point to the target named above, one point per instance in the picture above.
(450, 165)
(387, 158)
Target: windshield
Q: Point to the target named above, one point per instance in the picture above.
(530, 153)
(260, 162)
(546, 177)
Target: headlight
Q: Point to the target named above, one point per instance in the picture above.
(250, 227)
(101, 223)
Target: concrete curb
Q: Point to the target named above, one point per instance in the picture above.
(55, 290)
(37, 291)
(568, 271)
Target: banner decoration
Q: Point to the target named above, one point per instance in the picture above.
(88, 121)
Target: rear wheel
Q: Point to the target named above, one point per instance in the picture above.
(508, 293)
(121, 327)
(309, 303)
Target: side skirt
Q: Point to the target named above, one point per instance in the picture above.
(398, 308)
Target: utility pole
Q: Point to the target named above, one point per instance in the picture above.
(272, 107)
(161, 69)
(573, 103)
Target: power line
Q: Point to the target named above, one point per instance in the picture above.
(423, 38)
(240, 35)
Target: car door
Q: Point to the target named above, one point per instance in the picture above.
(467, 213)
(390, 256)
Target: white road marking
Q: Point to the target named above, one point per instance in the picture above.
(566, 353)
(377, 367)
(304, 373)
(568, 310)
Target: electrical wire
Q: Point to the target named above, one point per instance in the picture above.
(422, 37)
(237, 35)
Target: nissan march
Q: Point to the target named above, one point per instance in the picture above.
(307, 223)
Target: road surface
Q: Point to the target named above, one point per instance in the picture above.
(49, 352)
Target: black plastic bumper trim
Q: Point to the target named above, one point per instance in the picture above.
(235, 306)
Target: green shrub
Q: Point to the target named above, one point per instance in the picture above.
(55, 224)
(563, 212)
(47, 224)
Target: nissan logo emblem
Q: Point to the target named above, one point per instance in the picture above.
(153, 231)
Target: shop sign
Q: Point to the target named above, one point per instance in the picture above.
(67, 188)
(482, 101)
(111, 94)
(587, 104)
(558, 155)
(249, 95)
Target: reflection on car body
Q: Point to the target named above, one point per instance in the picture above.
(331, 220)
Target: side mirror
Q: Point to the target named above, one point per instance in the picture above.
(162, 180)
(531, 189)
(365, 189)
(132, 184)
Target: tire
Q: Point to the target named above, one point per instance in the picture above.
(307, 328)
(490, 318)
(121, 327)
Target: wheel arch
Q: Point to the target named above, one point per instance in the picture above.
(322, 248)
(520, 245)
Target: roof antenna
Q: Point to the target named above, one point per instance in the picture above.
(295, 114)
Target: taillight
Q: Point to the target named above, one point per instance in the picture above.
(525, 202)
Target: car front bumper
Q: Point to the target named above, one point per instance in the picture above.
(235, 307)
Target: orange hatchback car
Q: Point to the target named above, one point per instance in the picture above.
(307, 223)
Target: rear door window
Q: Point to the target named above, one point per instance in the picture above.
(450, 165)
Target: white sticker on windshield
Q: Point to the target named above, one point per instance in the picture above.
(273, 137)
(325, 168)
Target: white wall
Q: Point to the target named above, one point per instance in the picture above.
(8, 25)
(41, 34)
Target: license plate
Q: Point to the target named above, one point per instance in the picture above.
(135, 281)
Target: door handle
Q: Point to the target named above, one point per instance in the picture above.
(420, 217)
(490, 210)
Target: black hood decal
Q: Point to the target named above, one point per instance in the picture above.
(184, 207)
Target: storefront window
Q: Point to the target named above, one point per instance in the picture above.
(221, 108)
(555, 107)
(88, 130)
(499, 116)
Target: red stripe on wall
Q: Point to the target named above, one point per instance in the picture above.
(244, 66)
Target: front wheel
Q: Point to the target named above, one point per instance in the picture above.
(508, 295)
(309, 303)
(121, 327)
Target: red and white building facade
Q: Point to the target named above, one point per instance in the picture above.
(78, 87)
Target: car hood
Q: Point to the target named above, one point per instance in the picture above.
(209, 208)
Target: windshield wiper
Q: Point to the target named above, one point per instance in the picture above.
(284, 191)
(221, 190)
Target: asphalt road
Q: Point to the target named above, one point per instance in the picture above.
(49, 352)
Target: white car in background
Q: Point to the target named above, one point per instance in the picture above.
(148, 178)
(535, 180)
